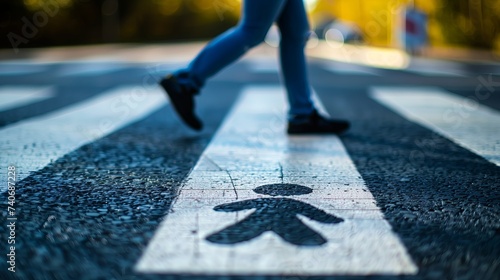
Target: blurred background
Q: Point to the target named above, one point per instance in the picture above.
(415, 26)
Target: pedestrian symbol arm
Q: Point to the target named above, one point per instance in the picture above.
(319, 215)
(235, 206)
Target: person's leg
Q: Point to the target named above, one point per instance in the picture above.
(294, 29)
(257, 18)
(303, 118)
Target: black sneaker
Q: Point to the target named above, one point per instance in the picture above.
(183, 100)
(316, 124)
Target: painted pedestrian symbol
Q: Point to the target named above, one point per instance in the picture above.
(278, 215)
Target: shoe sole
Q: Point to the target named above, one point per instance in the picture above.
(298, 131)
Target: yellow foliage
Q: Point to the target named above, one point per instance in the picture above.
(36, 5)
(168, 7)
(380, 20)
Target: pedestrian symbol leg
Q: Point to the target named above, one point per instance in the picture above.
(245, 230)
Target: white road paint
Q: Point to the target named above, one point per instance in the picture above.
(349, 69)
(19, 68)
(263, 65)
(463, 121)
(17, 96)
(249, 150)
(89, 69)
(427, 67)
(437, 72)
(32, 144)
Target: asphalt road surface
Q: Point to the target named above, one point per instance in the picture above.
(105, 182)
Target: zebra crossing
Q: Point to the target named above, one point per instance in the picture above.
(257, 64)
(42, 140)
(345, 68)
(417, 67)
(266, 65)
(84, 69)
(464, 121)
(20, 68)
(13, 97)
(250, 150)
(246, 153)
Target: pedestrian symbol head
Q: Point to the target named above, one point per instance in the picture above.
(282, 189)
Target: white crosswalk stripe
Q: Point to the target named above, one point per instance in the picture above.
(20, 68)
(349, 69)
(250, 150)
(427, 67)
(263, 65)
(32, 144)
(437, 72)
(17, 96)
(463, 121)
(88, 69)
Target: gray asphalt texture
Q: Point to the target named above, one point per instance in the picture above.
(91, 213)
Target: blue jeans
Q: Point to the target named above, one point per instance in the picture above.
(257, 18)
